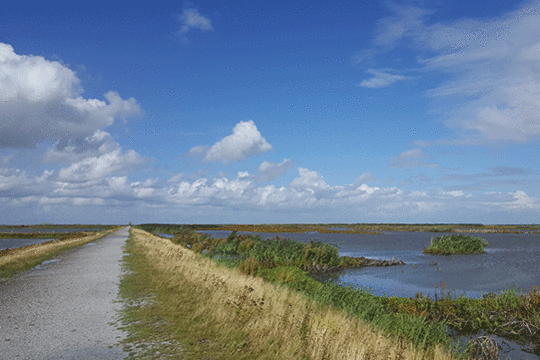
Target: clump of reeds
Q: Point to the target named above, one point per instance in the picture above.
(279, 252)
(455, 244)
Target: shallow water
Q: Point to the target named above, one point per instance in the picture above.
(15, 243)
(511, 261)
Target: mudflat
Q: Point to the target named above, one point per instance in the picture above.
(65, 308)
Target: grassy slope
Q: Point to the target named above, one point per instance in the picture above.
(230, 315)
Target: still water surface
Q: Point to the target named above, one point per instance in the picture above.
(10, 243)
(15, 243)
(511, 261)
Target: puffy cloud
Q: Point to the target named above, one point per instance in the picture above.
(97, 167)
(521, 201)
(381, 79)
(41, 101)
(245, 141)
(309, 180)
(308, 196)
(268, 171)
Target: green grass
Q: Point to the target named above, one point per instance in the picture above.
(455, 244)
(420, 320)
(163, 319)
(285, 262)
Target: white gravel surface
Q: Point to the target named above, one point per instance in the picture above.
(65, 308)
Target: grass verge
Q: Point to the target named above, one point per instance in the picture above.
(27, 257)
(231, 315)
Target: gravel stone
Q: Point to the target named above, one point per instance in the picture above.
(66, 308)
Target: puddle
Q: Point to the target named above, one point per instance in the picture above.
(169, 236)
(507, 349)
(40, 266)
(89, 244)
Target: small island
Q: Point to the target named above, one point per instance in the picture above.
(455, 244)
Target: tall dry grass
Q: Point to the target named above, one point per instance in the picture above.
(279, 324)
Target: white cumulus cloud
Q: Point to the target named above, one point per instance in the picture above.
(41, 101)
(245, 141)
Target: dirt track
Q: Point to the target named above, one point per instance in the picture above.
(65, 309)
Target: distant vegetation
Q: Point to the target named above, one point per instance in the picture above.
(38, 235)
(455, 244)
(342, 228)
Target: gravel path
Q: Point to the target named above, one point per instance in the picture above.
(64, 308)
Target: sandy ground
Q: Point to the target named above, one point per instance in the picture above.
(65, 308)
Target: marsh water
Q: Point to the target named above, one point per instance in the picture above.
(511, 261)
(10, 243)
(16, 243)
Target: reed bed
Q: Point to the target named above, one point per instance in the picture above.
(455, 244)
(277, 322)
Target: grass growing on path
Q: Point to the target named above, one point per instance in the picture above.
(455, 244)
(27, 257)
(207, 307)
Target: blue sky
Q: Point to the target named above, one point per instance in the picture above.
(267, 112)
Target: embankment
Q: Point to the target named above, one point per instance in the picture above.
(276, 323)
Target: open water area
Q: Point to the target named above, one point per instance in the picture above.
(511, 261)
(11, 243)
(16, 243)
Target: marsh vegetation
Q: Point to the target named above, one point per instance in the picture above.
(217, 312)
(455, 244)
(422, 320)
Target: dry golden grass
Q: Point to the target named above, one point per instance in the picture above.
(24, 258)
(279, 324)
